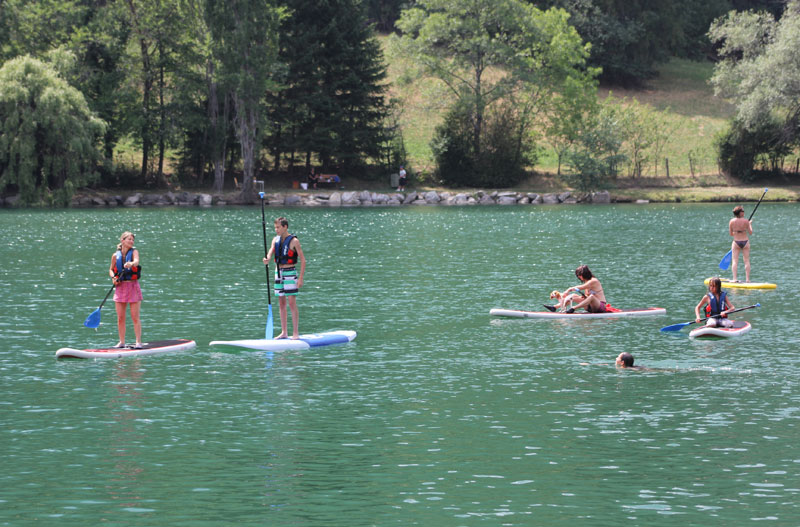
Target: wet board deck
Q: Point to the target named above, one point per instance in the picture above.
(309, 340)
(148, 348)
(497, 312)
(727, 283)
(740, 327)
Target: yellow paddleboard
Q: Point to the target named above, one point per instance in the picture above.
(728, 283)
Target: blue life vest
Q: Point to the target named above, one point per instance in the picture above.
(714, 308)
(127, 274)
(284, 254)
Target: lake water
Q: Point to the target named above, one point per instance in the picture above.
(437, 414)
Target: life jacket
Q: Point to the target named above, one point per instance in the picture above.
(284, 254)
(127, 274)
(714, 308)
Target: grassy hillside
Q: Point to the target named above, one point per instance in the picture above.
(681, 90)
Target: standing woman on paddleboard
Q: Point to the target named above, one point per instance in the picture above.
(740, 228)
(125, 271)
(287, 252)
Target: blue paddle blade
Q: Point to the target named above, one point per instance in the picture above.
(676, 327)
(725, 263)
(93, 320)
(270, 330)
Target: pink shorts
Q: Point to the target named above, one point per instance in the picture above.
(128, 292)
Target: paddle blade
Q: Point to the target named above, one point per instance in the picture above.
(725, 263)
(93, 320)
(676, 327)
(270, 330)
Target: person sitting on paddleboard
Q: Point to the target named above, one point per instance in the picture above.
(287, 252)
(594, 299)
(740, 227)
(124, 272)
(717, 303)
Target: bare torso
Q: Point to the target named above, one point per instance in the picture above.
(740, 229)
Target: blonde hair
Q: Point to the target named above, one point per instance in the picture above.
(122, 237)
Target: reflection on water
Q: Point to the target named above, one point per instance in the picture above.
(126, 407)
(437, 414)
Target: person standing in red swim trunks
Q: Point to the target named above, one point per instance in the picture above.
(125, 272)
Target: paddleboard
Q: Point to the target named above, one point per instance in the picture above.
(148, 348)
(578, 314)
(740, 327)
(728, 283)
(306, 341)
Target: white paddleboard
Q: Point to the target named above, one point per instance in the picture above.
(740, 327)
(304, 342)
(148, 348)
(578, 314)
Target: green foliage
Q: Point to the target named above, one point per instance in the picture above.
(48, 135)
(761, 72)
(566, 113)
(332, 105)
(505, 150)
(245, 46)
(747, 153)
(491, 53)
(594, 159)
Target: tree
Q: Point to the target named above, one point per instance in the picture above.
(245, 44)
(48, 135)
(566, 115)
(595, 157)
(332, 104)
(486, 51)
(760, 70)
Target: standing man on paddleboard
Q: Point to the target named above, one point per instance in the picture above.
(125, 272)
(740, 228)
(287, 252)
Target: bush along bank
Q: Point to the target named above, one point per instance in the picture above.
(363, 198)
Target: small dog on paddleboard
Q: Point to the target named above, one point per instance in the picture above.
(563, 301)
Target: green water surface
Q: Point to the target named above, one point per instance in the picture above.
(437, 414)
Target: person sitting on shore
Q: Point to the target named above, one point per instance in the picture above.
(312, 178)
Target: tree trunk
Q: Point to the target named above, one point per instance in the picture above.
(162, 118)
(246, 123)
(147, 88)
(218, 129)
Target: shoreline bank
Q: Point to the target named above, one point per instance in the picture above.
(367, 198)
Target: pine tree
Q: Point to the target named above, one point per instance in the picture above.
(332, 105)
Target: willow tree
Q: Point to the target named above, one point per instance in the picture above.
(48, 135)
(760, 69)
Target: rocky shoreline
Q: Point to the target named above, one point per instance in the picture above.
(303, 198)
(362, 198)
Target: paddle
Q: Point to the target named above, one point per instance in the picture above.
(725, 263)
(93, 320)
(678, 327)
(269, 330)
